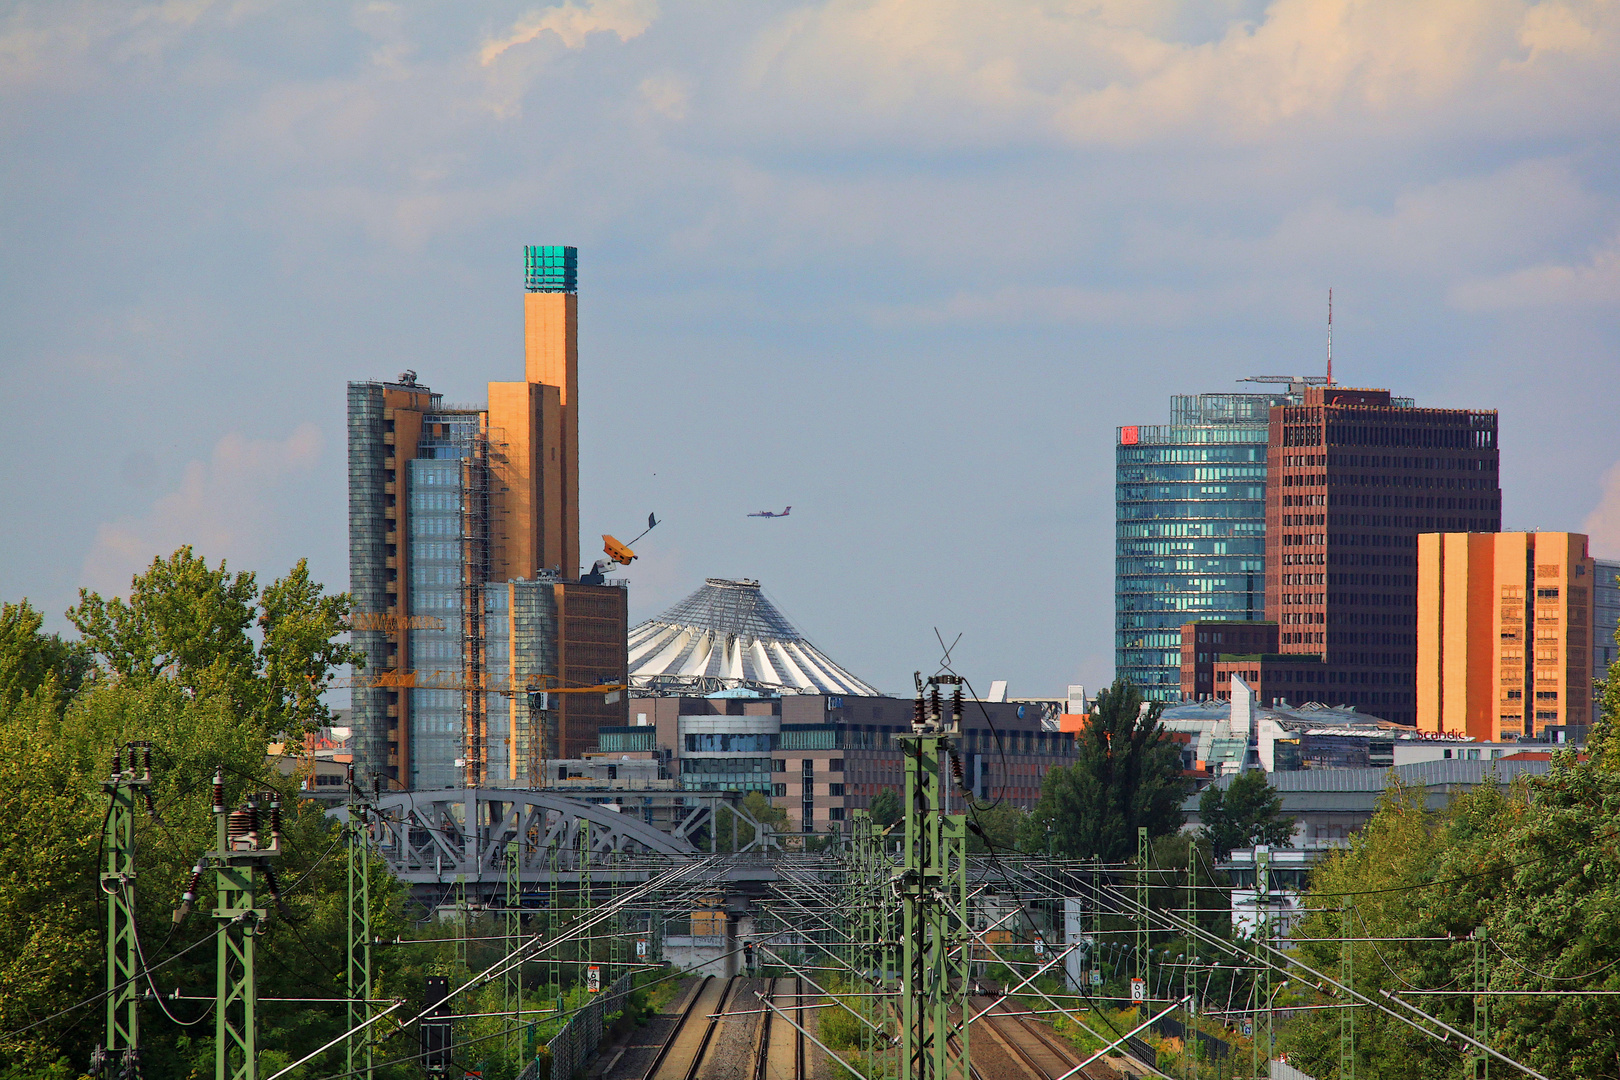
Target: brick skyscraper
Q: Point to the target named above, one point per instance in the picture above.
(1352, 480)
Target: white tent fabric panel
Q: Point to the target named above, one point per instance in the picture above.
(728, 634)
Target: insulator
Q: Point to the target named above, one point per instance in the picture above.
(956, 769)
(219, 791)
(919, 718)
(240, 825)
(275, 819)
(933, 703)
(348, 774)
(189, 897)
(146, 759)
(956, 705)
(118, 761)
(270, 880)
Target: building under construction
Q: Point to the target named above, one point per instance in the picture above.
(464, 566)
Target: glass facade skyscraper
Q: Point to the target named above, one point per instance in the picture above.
(1189, 529)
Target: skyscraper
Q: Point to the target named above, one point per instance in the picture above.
(1353, 477)
(445, 501)
(1189, 528)
(1504, 633)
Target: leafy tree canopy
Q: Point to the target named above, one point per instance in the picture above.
(1246, 813)
(272, 652)
(1128, 775)
(886, 809)
(30, 659)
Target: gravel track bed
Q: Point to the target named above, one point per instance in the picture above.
(731, 1052)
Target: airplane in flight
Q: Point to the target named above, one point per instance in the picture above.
(773, 513)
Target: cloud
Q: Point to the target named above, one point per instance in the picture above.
(226, 508)
(1133, 74)
(668, 95)
(572, 24)
(1602, 525)
(1594, 282)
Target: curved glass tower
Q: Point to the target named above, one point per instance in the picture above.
(1189, 529)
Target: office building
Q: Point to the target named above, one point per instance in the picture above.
(446, 501)
(1504, 633)
(819, 756)
(1353, 477)
(1189, 528)
(1605, 624)
(1206, 644)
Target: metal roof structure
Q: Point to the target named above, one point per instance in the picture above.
(728, 635)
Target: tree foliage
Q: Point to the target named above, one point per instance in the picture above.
(886, 809)
(1534, 868)
(196, 625)
(1247, 812)
(1128, 775)
(30, 659)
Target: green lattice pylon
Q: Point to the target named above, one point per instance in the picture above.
(1347, 1014)
(359, 1045)
(1143, 857)
(513, 981)
(1482, 1007)
(122, 1048)
(934, 920)
(239, 860)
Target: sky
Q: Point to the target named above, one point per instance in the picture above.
(902, 264)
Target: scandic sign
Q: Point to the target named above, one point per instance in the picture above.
(1128, 436)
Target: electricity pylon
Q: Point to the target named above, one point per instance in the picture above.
(932, 888)
(240, 860)
(359, 1047)
(119, 1057)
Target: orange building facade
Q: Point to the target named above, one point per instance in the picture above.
(447, 502)
(1504, 633)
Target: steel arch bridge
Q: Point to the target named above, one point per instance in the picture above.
(433, 838)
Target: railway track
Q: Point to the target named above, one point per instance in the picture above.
(1038, 1051)
(681, 1055)
(779, 1051)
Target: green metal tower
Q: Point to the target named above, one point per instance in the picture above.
(1262, 896)
(1347, 1014)
(1143, 856)
(513, 980)
(359, 1045)
(240, 860)
(120, 1055)
(1482, 1007)
(934, 912)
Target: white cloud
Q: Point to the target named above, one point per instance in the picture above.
(1593, 282)
(1602, 525)
(1122, 73)
(573, 24)
(228, 507)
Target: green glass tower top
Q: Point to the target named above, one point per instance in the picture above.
(550, 268)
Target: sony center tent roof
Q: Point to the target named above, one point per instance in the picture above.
(726, 635)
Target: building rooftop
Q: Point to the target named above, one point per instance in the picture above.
(728, 636)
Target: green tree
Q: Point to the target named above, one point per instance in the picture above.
(195, 624)
(1128, 775)
(886, 809)
(30, 658)
(1247, 812)
(756, 805)
(995, 828)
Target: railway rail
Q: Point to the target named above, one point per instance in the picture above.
(1038, 1050)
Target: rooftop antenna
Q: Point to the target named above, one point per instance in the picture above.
(1330, 336)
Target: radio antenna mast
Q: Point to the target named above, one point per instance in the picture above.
(1330, 336)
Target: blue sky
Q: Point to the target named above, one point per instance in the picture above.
(904, 265)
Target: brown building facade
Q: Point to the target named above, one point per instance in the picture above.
(1504, 633)
(1351, 482)
(1204, 643)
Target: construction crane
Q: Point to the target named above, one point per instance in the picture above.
(618, 554)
